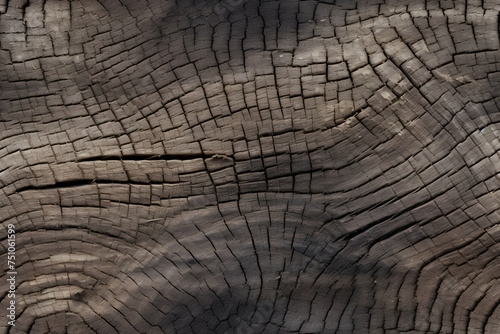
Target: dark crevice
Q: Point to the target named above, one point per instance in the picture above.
(468, 53)
(142, 157)
(79, 183)
(58, 185)
(383, 219)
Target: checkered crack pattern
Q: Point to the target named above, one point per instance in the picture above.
(245, 166)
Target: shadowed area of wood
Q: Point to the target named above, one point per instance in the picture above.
(251, 166)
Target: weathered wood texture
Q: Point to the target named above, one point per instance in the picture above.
(251, 166)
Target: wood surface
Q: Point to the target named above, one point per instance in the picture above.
(251, 166)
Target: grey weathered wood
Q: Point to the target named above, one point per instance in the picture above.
(251, 166)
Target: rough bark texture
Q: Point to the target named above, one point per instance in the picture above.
(251, 166)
